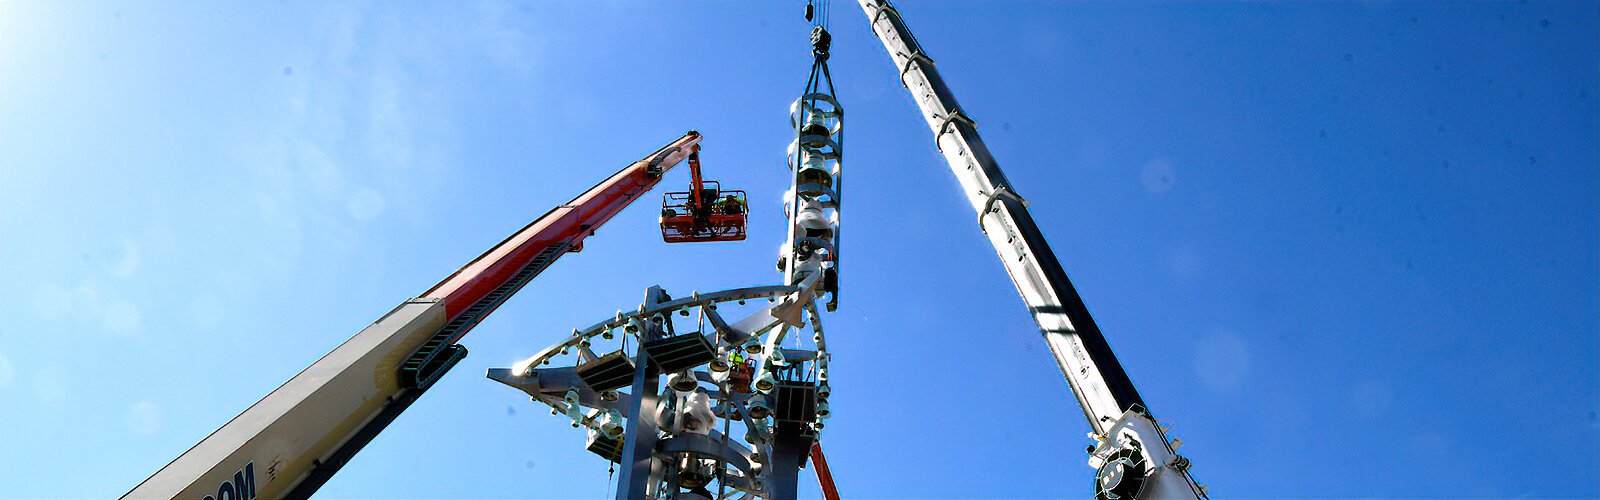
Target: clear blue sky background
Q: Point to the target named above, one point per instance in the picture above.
(1349, 248)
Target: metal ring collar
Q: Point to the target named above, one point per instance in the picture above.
(885, 9)
(950, 118)
(916, 56)
(995, 195)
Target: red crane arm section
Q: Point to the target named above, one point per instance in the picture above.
(567, 224)
(824, 476)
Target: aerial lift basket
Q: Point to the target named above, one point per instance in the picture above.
(705, 212)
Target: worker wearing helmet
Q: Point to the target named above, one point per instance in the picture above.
(730, 205)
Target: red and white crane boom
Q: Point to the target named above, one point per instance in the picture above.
(293, 440)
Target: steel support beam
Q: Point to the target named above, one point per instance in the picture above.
(790, 446)
(639, 443)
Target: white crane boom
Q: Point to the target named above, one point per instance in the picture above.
(1134, 458)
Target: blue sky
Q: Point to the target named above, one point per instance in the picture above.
(1348, 248)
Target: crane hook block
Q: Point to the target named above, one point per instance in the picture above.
(820, 42)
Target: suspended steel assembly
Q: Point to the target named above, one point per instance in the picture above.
(763, 376)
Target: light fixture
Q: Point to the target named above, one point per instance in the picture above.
(611, 424)
(766, 382)
(757, 407)
(574, 411)
(682, 381)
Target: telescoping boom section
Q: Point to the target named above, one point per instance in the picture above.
(293, 440)
(1132, 456)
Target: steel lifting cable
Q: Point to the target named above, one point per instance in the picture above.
(817, 12)
(611, 472)
(727, 422)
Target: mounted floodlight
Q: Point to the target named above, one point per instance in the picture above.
(766, 382)
(682, 381)
(574, 410)
(757, 407)
(611, 423)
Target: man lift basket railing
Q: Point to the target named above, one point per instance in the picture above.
(705, 212)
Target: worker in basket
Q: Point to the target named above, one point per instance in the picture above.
(729, 205)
